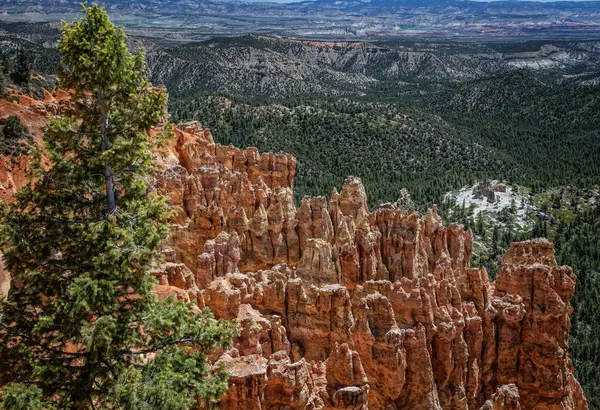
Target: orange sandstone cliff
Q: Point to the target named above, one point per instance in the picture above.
(342, 308)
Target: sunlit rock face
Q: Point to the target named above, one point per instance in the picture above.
(342, 308)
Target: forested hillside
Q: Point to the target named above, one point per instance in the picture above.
(533, 120)
(508, 127)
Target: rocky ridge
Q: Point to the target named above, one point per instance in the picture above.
(34, 114)
(342, 308)
(275, 68)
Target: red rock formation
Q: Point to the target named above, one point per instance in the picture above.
(382, 305)
(342, 308)
(505, 398)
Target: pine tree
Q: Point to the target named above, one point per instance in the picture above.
(480, 225)
(21, 71)
(80, 328)
(4, 71)
(4, 66)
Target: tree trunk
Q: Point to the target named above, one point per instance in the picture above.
(108, 175)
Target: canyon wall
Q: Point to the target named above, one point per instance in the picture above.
(343, 308)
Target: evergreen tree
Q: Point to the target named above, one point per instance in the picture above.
(4, 66)
(14, 137)
(513, 207)
(80, 328)
(21, 71)
(480, 229)
(4, 71)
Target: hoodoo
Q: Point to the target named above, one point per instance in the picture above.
(343, 308)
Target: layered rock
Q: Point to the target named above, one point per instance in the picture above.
(219, 188)
(485, 190)
(342, 308)
(35, 115)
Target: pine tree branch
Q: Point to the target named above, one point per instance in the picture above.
(157, 347)
(39, 343)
